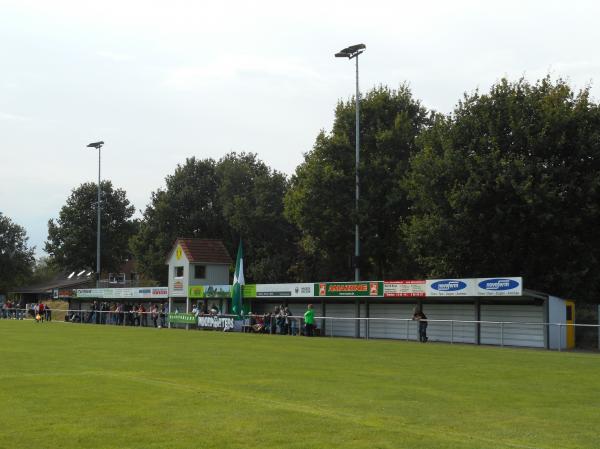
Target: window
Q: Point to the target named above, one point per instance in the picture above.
(199, 271)
(116, 278)
(178, 272)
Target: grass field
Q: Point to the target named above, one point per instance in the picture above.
(85, 386)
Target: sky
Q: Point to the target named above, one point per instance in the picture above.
(160, 81)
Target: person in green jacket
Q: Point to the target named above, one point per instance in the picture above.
(309, 321)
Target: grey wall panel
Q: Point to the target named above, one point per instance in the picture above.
(341, 328)
(518, 334)
(382, 328)
(446, 331)
(557, 311)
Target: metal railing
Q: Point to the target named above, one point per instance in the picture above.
(499, 333)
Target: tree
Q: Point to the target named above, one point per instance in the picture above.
(236, 197)
(188, 207)
(71, 242)
(16, 257)
(251, 198)
(510, 185)
(44, 270)
(320, 201)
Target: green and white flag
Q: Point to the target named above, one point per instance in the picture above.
(238, 282)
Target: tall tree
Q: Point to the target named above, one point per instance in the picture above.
(16, 257)
(320, 201)
(187, 207)
(71, 242)
(238, 196)
(251, 197)
(510, 184)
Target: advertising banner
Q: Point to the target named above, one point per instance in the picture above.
(402, 289)
(278, 290)
(178, 286)
(88, 293)
(509, 286)
(450, 287)
(159, 292)
(499, 286)
(215, 322)
(209, 291)
(349, 289)
(182, 318)
(123, 293)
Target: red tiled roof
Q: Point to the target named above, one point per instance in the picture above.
(205, 250)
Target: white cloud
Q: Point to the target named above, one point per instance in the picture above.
(117, 57)
(13, 117)
(236, 67)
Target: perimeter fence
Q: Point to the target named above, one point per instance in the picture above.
(498, 333)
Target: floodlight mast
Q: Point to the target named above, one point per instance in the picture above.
(351, 52)
(98, 146)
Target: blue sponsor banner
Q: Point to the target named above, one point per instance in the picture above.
(493, 286)
(449, 287)
(508, 286)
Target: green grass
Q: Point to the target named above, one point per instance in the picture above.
(85, 386)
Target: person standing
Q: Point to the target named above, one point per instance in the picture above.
(422, 319)
(309, 321)
(154, 311)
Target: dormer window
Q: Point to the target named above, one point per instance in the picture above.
(178, 272)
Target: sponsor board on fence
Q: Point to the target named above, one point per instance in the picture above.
(215, 322)
(349, 288)
(403, 289)
(182, 318)
(209, 291)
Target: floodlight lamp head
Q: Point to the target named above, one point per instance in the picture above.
(351, 52)
(355, 48)
(96, 145)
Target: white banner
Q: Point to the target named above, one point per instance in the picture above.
(509, 286)
(287, 290)
(216, 322)
(124, 293)
(399, 289)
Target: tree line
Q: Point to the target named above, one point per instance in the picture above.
(508, 183)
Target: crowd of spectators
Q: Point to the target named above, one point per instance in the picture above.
(17, 311)
(280, 321)
(122, 314)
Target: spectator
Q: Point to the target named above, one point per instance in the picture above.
(162, 315)
(422, 319)
(273, 324)
(154, 312)
(309, 321)
(48, 313)
(214, 310)
(143, 315)
(259, 325)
